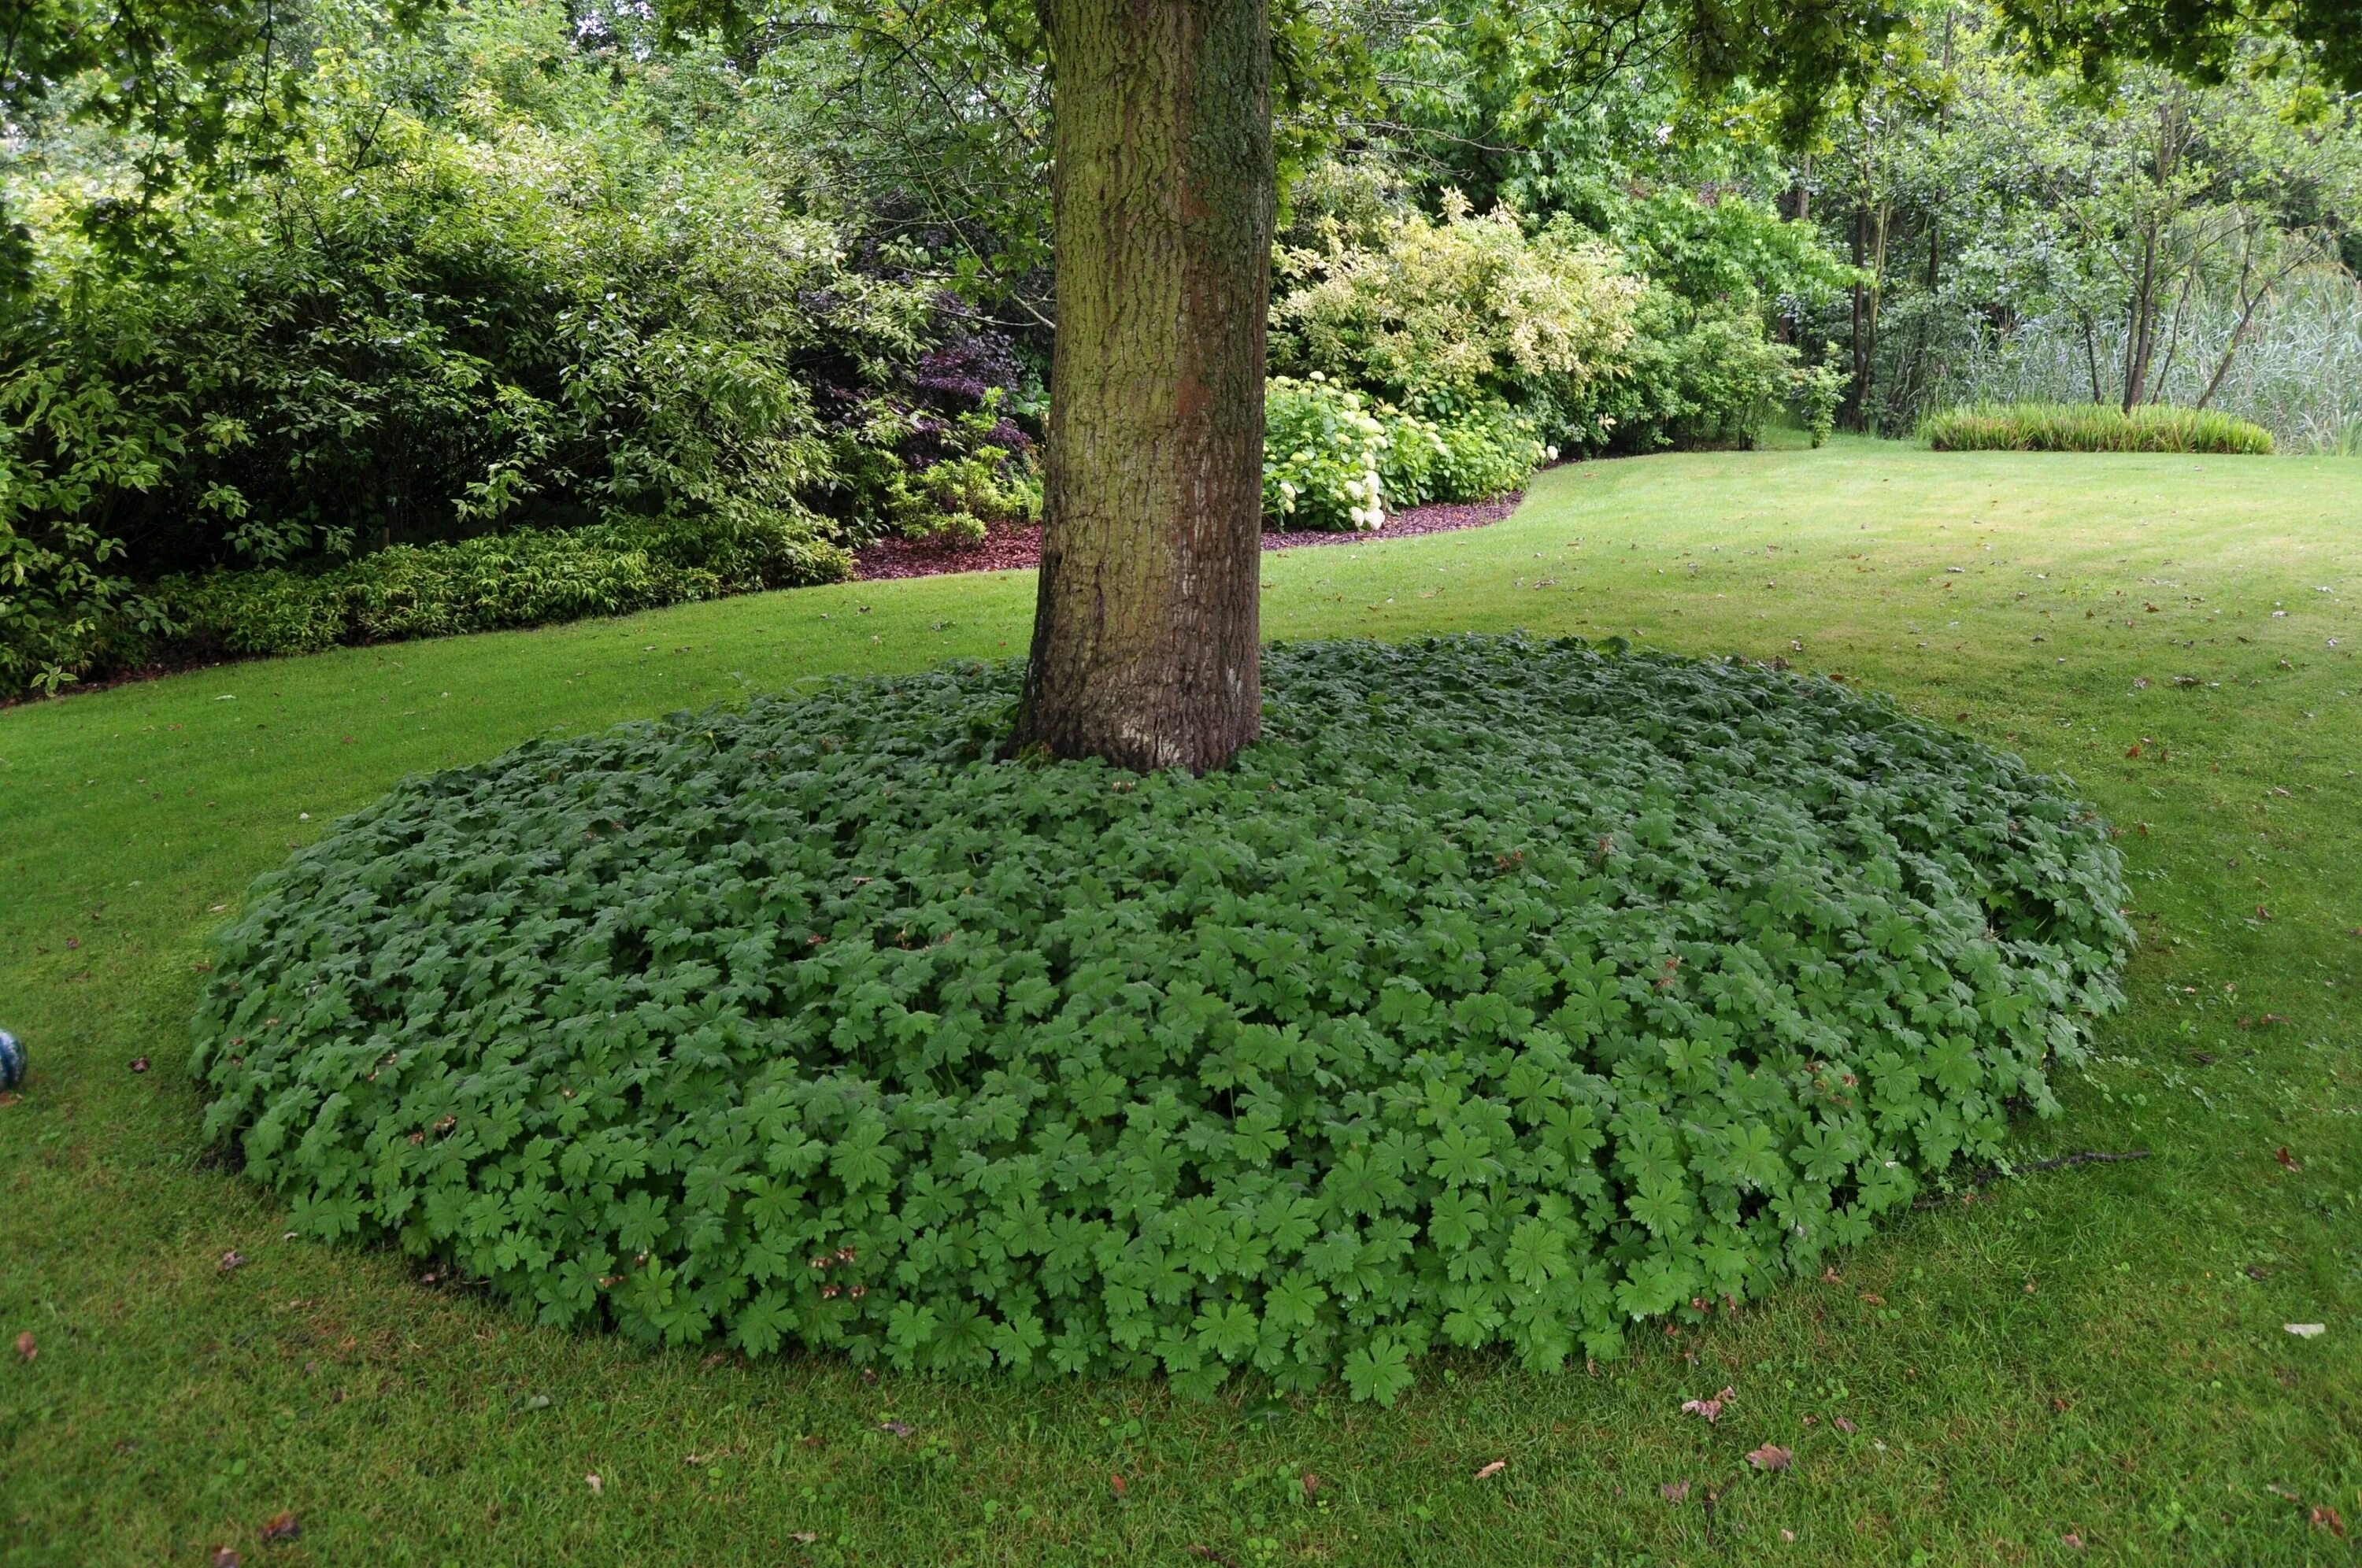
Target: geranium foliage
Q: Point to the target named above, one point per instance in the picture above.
(1509, 992)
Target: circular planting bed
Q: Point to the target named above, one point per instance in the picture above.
(1509, 992)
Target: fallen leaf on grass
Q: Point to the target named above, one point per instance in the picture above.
(1790, 1535)
(1846, 1427)
(232, 1261)
(1311, 1486)
(1489, 1470)
(898, 1429)
(598, 1487)
(2326, 1517)
(283, 1526)
(1673, 1491)
(27, 1346)
(226, 1557)
(1873, 1298)
(1116, 1485)
(2287, 1160)
(2306, 1330)
(2071, 1541)
(1771, 1456)
(1710, 1408)
(140, 1065)
(803, 1537)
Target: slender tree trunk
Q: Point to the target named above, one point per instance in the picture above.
(1146, 630)
(2141, 328)
(1858, 415)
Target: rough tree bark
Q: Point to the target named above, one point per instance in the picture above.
(1146, 627)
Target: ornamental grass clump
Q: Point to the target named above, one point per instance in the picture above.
(2092, 427)
(1507, 993)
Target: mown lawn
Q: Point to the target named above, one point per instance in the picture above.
(2090, 1355)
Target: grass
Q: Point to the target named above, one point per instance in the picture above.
(2092, 427)
(2093, 1351)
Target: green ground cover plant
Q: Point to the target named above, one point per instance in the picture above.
(2092, 427)
(2096, 1351)
(1510, 993)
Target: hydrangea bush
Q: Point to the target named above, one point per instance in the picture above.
(1509, 993)
(1321, 449)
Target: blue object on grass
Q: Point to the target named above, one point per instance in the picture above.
(12, 1061)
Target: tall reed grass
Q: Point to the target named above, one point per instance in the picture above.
(2297, 372)
(2090, 427)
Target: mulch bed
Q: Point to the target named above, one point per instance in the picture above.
(1004, 549)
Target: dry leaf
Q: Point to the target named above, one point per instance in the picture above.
(1710, 1408)
(1789, 1535)
(2287, 1160)
(803, 1537)
(2306, 1330)
(2326, 1516)
(27, 1346)
(598, 1487)
(1846, 1427)
(1673, 1491)
(232, 1261)
(1311, 1485)
(140, 1065)
(2071, 1539)
(1873, 1297)
(1492, 1470)
(1116, 1484)
(898, 1429)
(1771, 1456)
(226, 1557)
(283, 1526)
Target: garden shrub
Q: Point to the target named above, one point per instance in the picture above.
(1693, 378)
(1485, 451)
(1321, 453)
(2092, 427)
(526, 578)
(1333, 458)
(1815, 393)
(1507, 993)
(489, 286)
(1438, 315)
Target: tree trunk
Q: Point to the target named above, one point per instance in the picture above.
(1146, 629)
(2140, 328)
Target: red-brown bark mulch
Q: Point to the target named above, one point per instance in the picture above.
(1005, 548)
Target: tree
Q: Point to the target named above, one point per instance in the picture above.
(1146, 634)
(1146, 628)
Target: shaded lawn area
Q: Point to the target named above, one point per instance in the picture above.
(2094, 1351)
